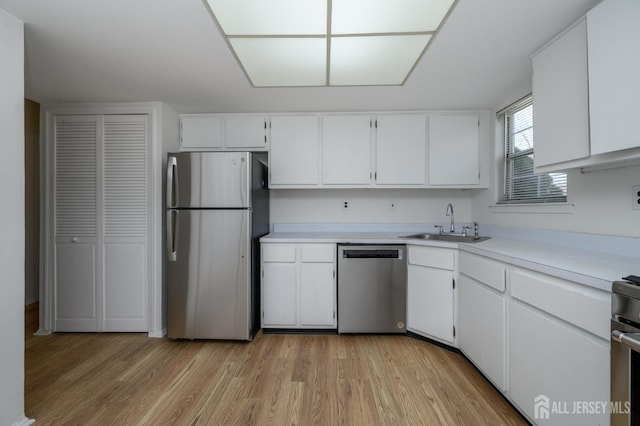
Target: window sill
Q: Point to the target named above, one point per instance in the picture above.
(551, 208)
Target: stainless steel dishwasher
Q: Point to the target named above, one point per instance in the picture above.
(372, 289)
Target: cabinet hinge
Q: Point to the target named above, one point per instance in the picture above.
(453, 280)
(454, 331)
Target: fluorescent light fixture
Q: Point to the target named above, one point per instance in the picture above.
(284, 43)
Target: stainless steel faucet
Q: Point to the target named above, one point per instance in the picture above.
(449, 212)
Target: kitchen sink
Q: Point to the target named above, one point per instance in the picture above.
(453, 238)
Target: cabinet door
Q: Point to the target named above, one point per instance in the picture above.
(454, 150)
(613, 33)
(317, 295)
(293, 157)
(75, 223)
(346, 150)
(279, 295)
(561, 99)
(401, 149)
(76, 287)
(482, 328)
(430, 302)
(245, 131)
(200, 131)
(125, 220)
(547, 358)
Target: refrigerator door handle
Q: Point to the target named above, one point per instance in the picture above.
(172, 235)
(172, 182)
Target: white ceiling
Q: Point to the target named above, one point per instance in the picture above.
(172, 51)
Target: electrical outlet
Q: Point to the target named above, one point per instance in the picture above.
(345, 205)
(636, 198)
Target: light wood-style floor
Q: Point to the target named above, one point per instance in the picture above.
(278, 379)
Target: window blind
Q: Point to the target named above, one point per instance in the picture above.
(521, 184)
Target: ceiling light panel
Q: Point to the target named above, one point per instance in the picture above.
(387, 16)
(277, 62)
(273, 17)
(374, 60)
(282, 43)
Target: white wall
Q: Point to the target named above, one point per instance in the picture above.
(12, 223)
(368, 205)
(602, 204)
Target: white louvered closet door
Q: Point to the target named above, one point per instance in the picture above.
(76, 223)
(101, 223)
(125, 206)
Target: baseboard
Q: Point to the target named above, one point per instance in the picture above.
(42, 332)
(299, 331)
(24, 422)
(157, 334)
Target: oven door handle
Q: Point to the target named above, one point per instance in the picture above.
(630, 339)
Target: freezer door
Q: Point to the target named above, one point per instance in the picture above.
(209, 180)
(209, 282)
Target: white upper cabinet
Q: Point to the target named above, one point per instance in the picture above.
(401, 144)
(353, 150)
(215, 132)
(245, 131)
(561, 98)
(294, 155)
(454, 150)
(346, 150)
(200, 131)
(585, 91)
(613, 32)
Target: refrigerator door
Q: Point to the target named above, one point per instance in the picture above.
(209, 282)
(209, 180)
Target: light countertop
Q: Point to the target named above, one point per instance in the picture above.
(597, 270)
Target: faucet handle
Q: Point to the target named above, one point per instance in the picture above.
(439, 228)
(464, 230)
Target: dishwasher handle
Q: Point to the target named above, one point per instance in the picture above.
(372, 254)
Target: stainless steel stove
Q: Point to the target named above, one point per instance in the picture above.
(625, 352)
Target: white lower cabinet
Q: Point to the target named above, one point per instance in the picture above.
(556, 367)
(279, 294)
(430, 292)
(298, 285)
(482, 328)
(542, 340)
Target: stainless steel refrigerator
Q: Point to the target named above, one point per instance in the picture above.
(217, 209)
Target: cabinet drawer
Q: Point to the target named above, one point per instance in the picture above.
(431, 257)
(579, 305)
(278, 253)
(318, 252)
(486, 271)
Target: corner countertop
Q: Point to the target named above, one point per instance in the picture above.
(593, 269)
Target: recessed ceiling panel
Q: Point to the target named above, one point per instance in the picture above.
(273, 17)
(271, 62)
(387, 16)
(374, 60)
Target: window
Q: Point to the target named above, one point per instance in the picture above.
(521, 184)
